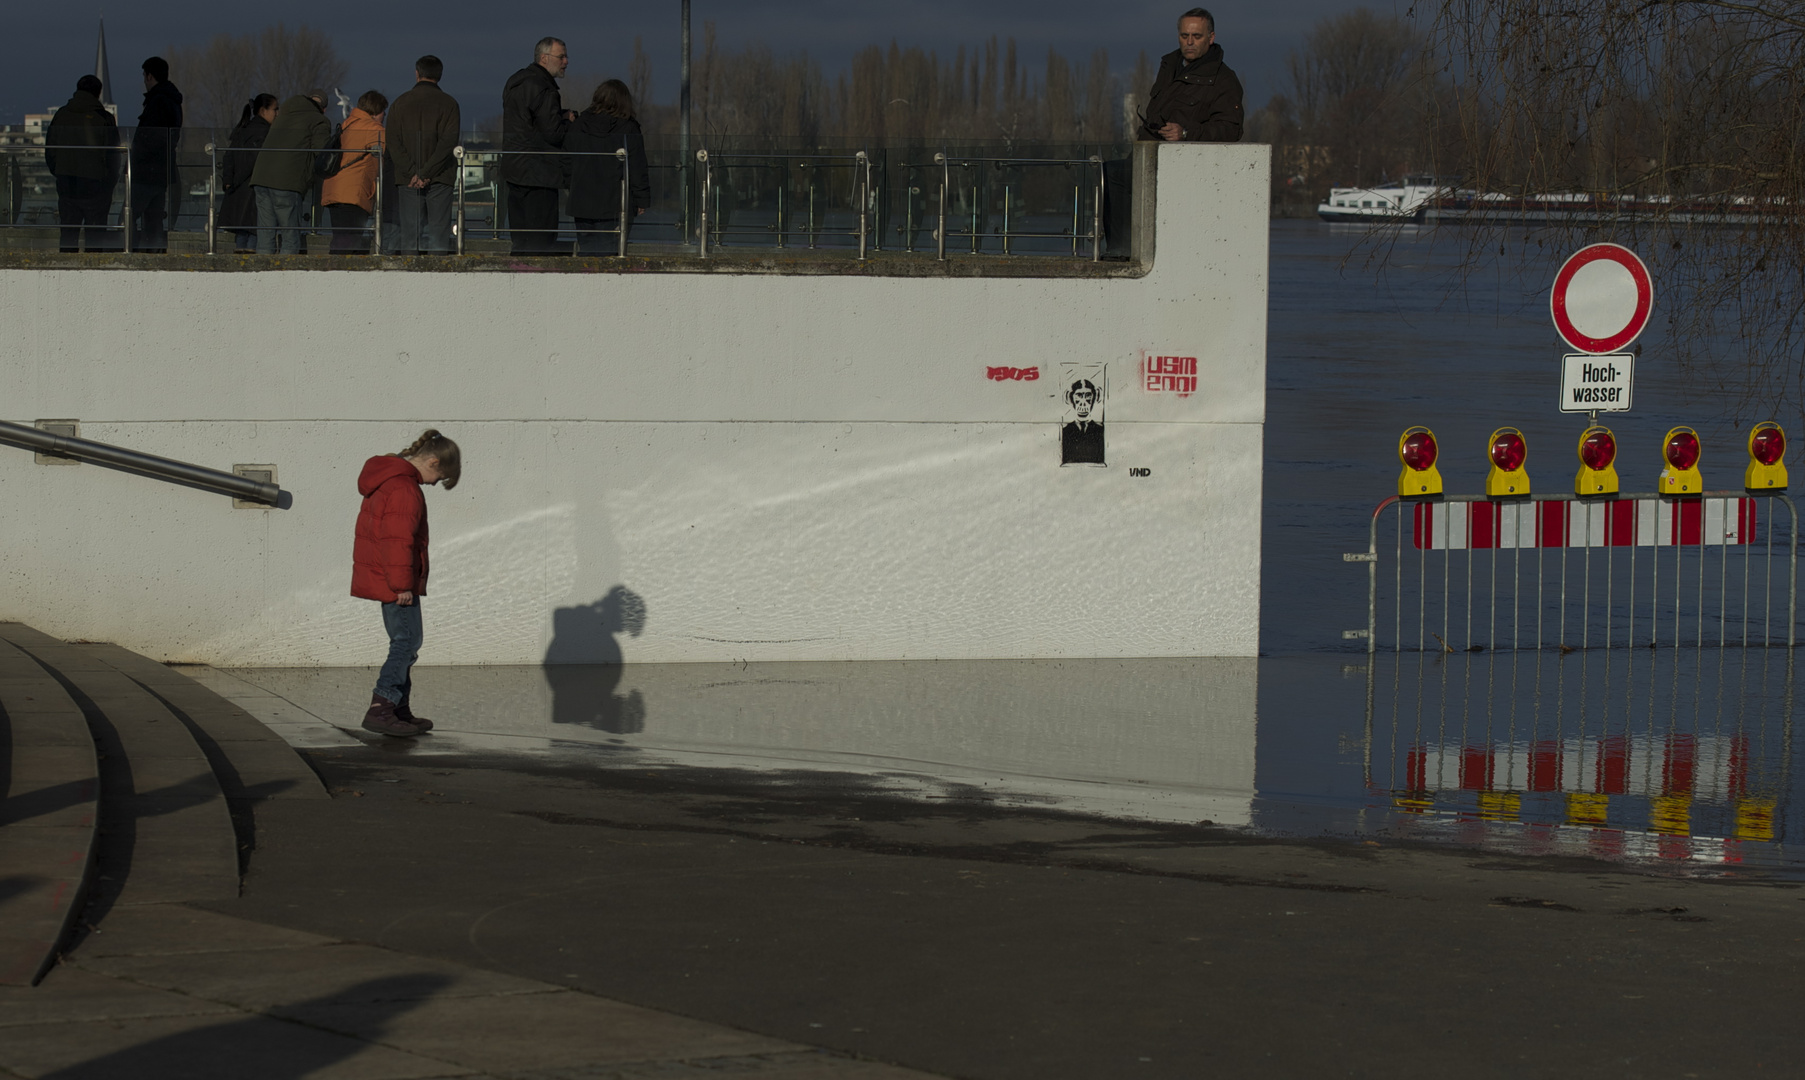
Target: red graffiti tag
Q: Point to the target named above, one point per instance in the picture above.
(1004, 374)
(1171, 374)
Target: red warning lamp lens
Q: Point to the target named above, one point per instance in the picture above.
(1598, 451)
(1682, 450)
(1768, 445)
(1508, 451)
(1419, 451)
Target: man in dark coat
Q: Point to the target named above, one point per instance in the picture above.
(423, 127)
(156, 192)
(281, 181)
(1195, 97)
(533, 118)
(84, 178)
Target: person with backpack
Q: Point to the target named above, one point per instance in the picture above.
(389, 564)
(349, 193)
(281, 180)
(85, 177)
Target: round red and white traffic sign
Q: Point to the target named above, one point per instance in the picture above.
(1601, 298)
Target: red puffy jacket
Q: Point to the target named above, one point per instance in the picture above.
(389, 556)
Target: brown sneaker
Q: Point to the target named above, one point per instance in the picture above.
(382, 719)
(402, 712)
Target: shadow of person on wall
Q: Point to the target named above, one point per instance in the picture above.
(289, 1043)
(583, 663)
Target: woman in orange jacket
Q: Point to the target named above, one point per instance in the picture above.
(350, 194)
(389, 565)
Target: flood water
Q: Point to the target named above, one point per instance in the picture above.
(1677, 758)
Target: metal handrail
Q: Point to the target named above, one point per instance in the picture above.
(125, 205)
(376, 150)
(860, 161)
(947, 164)
(118, 457)
(619, 154)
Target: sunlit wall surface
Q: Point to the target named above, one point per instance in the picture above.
(666, 466)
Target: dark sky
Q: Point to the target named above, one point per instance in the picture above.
(482, 42)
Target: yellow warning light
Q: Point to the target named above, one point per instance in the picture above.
(1680, 449)
(1767, 458)
(1508, 452)
(1417, 449)
(1597, 455)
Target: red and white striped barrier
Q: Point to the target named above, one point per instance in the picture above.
(1636, 522)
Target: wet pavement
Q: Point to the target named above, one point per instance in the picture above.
(1676, 759)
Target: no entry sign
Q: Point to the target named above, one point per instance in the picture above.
(1601, 298)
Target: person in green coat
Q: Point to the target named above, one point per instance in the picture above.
(281, 181)
(84, 177)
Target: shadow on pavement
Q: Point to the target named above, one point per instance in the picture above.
(260, 1046)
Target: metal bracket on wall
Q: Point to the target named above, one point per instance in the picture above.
(263, 474)
(66, 428)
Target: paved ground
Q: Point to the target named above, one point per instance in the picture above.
(966, 941)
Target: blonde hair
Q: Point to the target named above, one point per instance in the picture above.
(432, 444)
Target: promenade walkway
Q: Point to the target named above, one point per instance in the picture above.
(363, 907)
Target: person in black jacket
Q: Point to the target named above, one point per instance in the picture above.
(155, 192)
(1195, 97)
(606, 126)
(84, 178)
(533, 118)
(239, 210)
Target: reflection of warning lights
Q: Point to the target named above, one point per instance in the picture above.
(1597, 452)
(1767, 453)
(1587, 808)
(1417, 450)
(1681, 451)
(1508, 452)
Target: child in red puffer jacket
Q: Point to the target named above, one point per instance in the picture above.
(389, 564)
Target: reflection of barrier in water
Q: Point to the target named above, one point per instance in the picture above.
(1690, 748)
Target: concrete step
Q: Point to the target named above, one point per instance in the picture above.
(251, 762)
(49, 810)
(166, 832)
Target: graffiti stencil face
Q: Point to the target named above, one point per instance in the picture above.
(1083, 388)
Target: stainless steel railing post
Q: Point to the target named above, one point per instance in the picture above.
(864, 165)
(620, 155)
(707, 184)
(125, 206)
(376, 223)
(457, 152)
(1097, 214)
(1007, 192)
(945, 181)
(212, 182)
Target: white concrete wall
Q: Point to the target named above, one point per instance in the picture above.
(778, 467)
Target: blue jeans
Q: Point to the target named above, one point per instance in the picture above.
(405, 635)
(423, 217)
(278, 221)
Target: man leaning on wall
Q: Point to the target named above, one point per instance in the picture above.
(281, 180)
(1195, 96)
(423, 130)
(533, 118)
